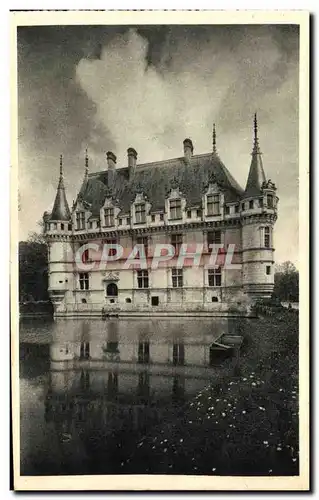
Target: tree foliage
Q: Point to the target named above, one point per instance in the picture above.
(33, 270)
(287, 282)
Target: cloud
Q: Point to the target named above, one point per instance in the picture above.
(151, 93)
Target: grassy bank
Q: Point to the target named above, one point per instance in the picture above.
(245, 425)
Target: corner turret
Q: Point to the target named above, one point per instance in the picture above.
(258, 212)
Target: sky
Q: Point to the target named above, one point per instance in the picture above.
(111, 87)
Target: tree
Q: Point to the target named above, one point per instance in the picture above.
(286, 282)
(33, 268)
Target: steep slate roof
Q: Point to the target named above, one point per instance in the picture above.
(155, 181)
(60, 209)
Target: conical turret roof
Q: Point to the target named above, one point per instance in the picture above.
(256, 175)
(61, 209)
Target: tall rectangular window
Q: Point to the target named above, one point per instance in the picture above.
(143, 388)
(85, 350)
(144, 352)
(111, 241)
(85, 380)
(80, 220)
(267, 236)
(177, 277)
(213, 204)
(176, 241)
(109, 217)
(214, 238)
(84, 281)
(112, 384)
(143, 240)
(140, 214)
(270, 201)
(178, 354)
(175, 208)
(142, 279)
(260, 202)
(85, 256)
(215, 277)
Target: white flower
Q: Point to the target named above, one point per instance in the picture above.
(224, 414)
(181, 440)
(253, 383)
(262, 408)
(278, 448)
(244, 411)
(265, 442)
(213, 469)
(165, 450)
(244, 379)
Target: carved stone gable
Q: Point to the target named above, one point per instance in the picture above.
(111, 276)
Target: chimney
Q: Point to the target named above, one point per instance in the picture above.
(188, 149)
(131, 159)
(111, 160)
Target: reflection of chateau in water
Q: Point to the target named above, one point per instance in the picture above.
(128, 376)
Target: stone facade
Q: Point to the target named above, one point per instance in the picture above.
(183, 202)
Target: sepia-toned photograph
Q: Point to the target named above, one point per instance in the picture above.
(160, 165)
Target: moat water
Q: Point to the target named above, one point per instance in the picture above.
(91, 389)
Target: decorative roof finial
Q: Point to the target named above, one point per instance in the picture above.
(214, 139)
(61, 166)
(256, 144)
(86, 162)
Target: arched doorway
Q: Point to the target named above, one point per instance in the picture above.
(112, 290)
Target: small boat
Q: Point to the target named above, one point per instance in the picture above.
(231, 340)
(217, 346)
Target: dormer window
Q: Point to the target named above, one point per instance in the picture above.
(260, 202)
(140, 213)
(175, 207)
(109, 217)
(213, 204)
(80, 220)
(251, 204)
(270, 201)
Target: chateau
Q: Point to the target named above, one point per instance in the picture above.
(186, 202)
